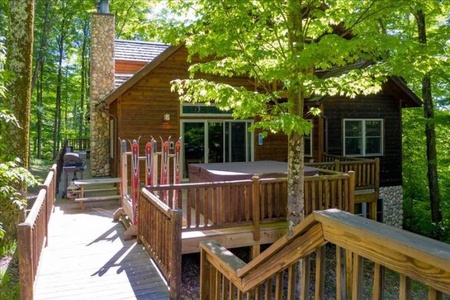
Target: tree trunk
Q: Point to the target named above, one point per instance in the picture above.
(57, 116)
(433, 183)
(40, 110)
(296, 149)
(40, 58)
(19, 64)
(83, 79)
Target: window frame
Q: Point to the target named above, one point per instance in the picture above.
(202, 110)
(310, 137)
(363, 136)
(249, 136)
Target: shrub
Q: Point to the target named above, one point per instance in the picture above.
(12, 202)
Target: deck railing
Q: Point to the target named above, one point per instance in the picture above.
(356, 258)
(213, 206)
(367, 171)
(367, 177)
(229, 203)
(33, 234)
(160, 233)
(79, 143)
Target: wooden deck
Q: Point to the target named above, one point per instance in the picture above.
(87, 258)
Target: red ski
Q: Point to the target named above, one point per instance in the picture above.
(176, 170)
(165, 163)
(149, 163)
(176, 162)
(134, 178)
(165, 167)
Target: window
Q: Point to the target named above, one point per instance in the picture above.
(188, 109)
(308, 142)
(363, 137)
(210, 141)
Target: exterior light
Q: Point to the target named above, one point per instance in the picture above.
(166, 117)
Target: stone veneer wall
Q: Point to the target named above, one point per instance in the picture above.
(392, 205)
(102, 83)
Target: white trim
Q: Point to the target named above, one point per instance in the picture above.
(202, 115)
(363, 137)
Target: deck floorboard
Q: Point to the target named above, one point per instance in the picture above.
(87, 258)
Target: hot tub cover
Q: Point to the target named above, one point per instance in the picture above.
(214, 172)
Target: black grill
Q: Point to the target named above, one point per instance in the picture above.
(72, 163)
(72, 159)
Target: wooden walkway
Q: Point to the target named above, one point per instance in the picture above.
(87, 258)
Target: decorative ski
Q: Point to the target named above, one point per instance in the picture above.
(176, 163)
(149, 150)
(134, 178)
(176, 169)
(165, 162)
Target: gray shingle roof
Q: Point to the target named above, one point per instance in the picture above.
(120, 79)
(138, 50)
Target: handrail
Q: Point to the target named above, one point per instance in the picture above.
(229, 203)
(367, 177)
(210, 206)
(165, 245)
(412, 256)
(331, 158)
(78, 143)
(367, 170)
(33, 234)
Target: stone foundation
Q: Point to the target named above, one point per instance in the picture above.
(392, 205)
(102, 83)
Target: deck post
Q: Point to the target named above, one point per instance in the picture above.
(205, 275)
(337, 165)
(256, 248)
(175, 267)
(123, 181)
(373, 205)
(348, 253)
(351, 192)
(26, 269)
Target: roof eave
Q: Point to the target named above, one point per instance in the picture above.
(115, 94)
(414, 100)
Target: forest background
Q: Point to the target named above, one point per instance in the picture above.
(60, 89)
(58, 105)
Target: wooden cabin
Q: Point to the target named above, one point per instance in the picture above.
(139, 103)
(143, 105)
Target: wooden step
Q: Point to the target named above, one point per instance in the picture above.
(95, 198)
(101, 190)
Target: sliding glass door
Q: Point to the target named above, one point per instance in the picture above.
(209, 141)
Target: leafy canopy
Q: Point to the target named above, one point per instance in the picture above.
(280, 46)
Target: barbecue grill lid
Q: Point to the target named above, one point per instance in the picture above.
(72, 159)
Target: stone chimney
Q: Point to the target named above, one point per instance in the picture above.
(102, 83)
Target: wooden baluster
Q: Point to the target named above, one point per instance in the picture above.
(340, 274)
(404, 290)
(320, 273)
(255, 197)
(357, 282)
(378, 281)
(306, 277)
(434, 294)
